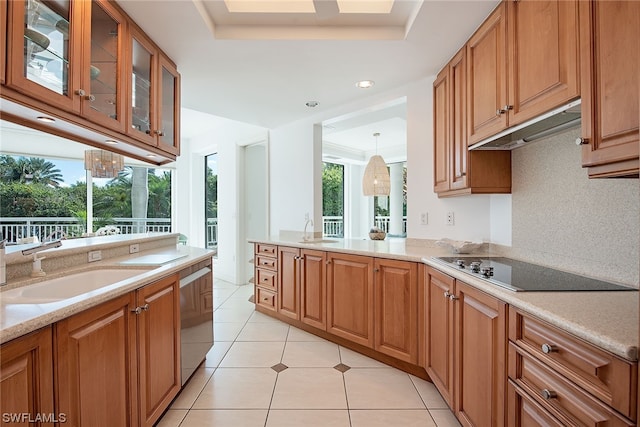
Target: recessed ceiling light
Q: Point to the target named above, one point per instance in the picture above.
(270, 6)
(46, 119)
(110, 141)
(151, 155)
(312, 104)
(365, 84)
(365, 6)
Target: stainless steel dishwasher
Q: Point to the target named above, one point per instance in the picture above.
(196, 317)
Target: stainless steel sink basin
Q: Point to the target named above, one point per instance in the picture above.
(318, 241)
(69, 286)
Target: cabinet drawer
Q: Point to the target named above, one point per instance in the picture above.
(266, 262)
(557, 395)
(525, 411)
(609, 378)
(266, 250)
(266, 299)
(267, 279)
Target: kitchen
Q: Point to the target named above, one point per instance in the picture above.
(536, 221)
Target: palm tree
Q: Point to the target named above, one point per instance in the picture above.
(30, 170)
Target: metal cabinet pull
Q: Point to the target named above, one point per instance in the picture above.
(582, 141)
(549, 348)
(500, 111)
(137, 310)
(507, 108)
(452, 297)
(80, 92)
(447, 294)
(548, 394)
(145, 307)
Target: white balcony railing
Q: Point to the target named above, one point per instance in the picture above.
(14, 228)
(333, 226)
(212, 233)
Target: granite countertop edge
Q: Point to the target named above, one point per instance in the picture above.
(20, 319)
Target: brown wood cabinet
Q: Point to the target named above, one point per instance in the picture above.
(458, 171)
(266, 276)
(153, 107)
(313, 288)
(96, 360)
(76, 62)
(289, 282)
(609, 33)
(465, 350)
(565, 374)
(523, 61)
(350, 297)
(70, 54)
(26, 379)
(525, 411)
(3, 43)
(396, 308)
(158, 330)
(104, 353)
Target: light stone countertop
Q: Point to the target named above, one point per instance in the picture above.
(19, 319)
(607, 319)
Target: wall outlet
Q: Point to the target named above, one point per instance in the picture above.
(134, 249)
(424, 218)
(450, 218)
(94, 256)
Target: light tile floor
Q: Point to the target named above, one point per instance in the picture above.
(264, 373)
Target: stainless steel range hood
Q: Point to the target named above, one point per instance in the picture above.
(552, 122)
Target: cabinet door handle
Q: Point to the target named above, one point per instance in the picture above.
(548, 394)
(500, 111)
(90, 98)
(80, 92)
(266, 279)
(376, 270)
(137, 310)
(159, 132)
(452, 297)
(549, 348)
(328, 262)
(582, 141)
(507, 108)
(145, 307)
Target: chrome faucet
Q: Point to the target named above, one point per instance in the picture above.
(305, 237)
(58, 232)
(37, 261)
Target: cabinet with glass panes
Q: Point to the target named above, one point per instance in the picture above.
(68, 54)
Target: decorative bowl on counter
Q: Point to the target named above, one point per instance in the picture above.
(459, 246)
(377, 234)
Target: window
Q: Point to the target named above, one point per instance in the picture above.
(383, 212)
(211, 200)
(47, 198)
(332, 199)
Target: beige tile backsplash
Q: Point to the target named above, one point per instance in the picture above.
(563, 219)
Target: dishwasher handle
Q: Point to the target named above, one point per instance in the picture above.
(194, 276)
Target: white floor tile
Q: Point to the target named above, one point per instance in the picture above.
(381, 388)
(264, 332)
(444, 418)
(357, 360)
(226, 331)
(217, 352)
(391, 418)
(308, 418)
(225, 418)
(309, 388)
(253, 354)
(172, 418)
(192, 389)
(262, 318)
(296, 334)
(223, 315)
(238, 388)
(429, 393)
(311, 354)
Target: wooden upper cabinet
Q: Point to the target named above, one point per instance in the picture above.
(609, 34)
(487, 77)
(69, 54)
(523, 62)
(154, 95)
(350, 297)
(441, 131)
(3, 43)
(542, 40)
(158, 330)
(26, 378)
(458, 154)
(396, 309)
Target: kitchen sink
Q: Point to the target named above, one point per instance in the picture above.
(69, 286)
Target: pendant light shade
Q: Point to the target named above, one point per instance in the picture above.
(376, 180)
(103, 164)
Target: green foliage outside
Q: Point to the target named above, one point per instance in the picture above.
(31, 187)
(332, 189)
(211, 189)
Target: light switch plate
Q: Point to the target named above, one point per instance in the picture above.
(94, 256)
(134, 249)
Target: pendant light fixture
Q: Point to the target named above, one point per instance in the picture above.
(376, 180)
(103, 164)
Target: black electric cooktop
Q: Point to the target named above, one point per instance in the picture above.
(521, 276)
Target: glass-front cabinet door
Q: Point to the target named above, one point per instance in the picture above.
(169, 107)
(103, 85)
(44, 50)
(141, 112)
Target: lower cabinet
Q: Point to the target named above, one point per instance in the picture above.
(350, 297)
(396, 309)
(289, 282)
(26, 380)
(105, 352)
(465, 352)
(313, 288)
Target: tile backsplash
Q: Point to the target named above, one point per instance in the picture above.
(562, 218)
